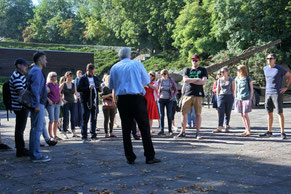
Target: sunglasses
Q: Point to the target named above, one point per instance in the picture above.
(152, 75)
(54, 76)
(270, 58)
(195, 60)
(164, 74)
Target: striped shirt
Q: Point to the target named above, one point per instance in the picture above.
(17, 82)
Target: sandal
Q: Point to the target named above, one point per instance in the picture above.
(218, 130)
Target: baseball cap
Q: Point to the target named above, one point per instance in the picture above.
(195, 57)
(21, 61)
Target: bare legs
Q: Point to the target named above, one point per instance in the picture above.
(281, 121)
(246, 121)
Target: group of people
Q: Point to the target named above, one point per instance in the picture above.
(239, 92)
(139, 97)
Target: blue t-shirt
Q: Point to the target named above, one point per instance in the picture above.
(274, 78)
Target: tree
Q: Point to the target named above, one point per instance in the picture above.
(192, 31)
(14, 15)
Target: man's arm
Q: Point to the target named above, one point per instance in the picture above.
(34, 88)
(288, 75)
(188, 80)
(82, 85)
(202, 81)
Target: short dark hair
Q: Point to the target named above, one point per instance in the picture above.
(273, 55)
(90, 66)
(37, 55)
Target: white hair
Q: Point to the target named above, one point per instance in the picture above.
(124, 53)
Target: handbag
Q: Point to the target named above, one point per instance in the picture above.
(24, 98)
(108, 104)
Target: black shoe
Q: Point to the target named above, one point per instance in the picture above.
(85, 140)
(22, 153)
(51, 142)
(152, 161)
(94, 139)
(182, 134)
(130, 162)
(267, 134)
(136, 137)
(161, 133)
(283, 136)
(4, 147)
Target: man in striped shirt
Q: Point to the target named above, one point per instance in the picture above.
(17, 83)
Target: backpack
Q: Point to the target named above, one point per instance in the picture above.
(7, 98)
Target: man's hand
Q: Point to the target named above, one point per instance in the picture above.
(37, 110)
(91, 86)
(283, 90)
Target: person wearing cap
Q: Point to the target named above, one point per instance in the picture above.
(194, 78)
(17, 82)
(127, 79)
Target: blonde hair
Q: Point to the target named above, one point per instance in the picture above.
(153, 73)
(62, 80)
(49, 76)
(243, 72)
(165, 71)
(106, 79)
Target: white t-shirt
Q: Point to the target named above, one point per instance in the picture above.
(91, 83)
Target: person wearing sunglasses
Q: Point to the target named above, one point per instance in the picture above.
(53, 104)
(167, 90)
(274, 93)
(150, 97)
(194, 78)
(225, 98)
(214, 88)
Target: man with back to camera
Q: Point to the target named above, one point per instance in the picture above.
(36, 84)
(127, 78)
(274, 93)
(17, 83)
(194, 79)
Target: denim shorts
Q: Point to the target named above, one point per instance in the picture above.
(53, 112)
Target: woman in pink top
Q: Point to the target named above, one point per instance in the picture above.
(53, 104)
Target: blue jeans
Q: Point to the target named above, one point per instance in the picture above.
(224, 103)
(53, 112)
(70, 106)
(168, 104)
(37, 127)
(191, 116)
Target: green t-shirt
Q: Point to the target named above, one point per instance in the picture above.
(243, 90)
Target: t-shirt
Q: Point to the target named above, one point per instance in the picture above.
(193, 89)
(17, 82)
(274, 78)
(54, 94)
(225, 87)
(165, 89)
(243, 90)
(91, 82)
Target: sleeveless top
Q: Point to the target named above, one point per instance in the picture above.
(69, 93)
(225, 87)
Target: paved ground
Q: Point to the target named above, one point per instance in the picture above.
(219, 163)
